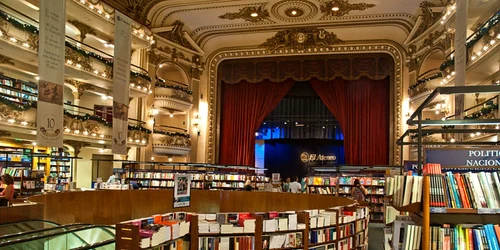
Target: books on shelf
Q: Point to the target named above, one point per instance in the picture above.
(403, 238)
(405, 189)
(465, 236)
(223, 243)
(287, 240)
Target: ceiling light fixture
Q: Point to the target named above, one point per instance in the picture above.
(254, 14)
(294, 12)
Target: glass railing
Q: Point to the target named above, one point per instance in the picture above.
(24, 226)
(39, 232)
(78, 238)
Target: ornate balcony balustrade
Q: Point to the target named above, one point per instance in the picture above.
(172, 97)
(82, 124)
(166, 141)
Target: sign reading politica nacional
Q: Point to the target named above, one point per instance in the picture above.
(307, 157)
(464, 157)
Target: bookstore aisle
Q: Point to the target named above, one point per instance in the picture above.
(375, 236)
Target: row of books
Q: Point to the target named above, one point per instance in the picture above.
(405, 189)
(322, 235)
(467, 190)
(344, 180)
(406, 235)
(470, 237)
(157, 229)
(198, 176)
(18, 172)
(223, 243)
(279, 241)
(33, 184)
(60, 169)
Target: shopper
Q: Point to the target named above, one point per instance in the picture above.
(7, 194)
(358, 192)
(248, 186)
(286, 185)
(295, 186)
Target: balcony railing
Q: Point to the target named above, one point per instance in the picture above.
(169, 141)
(78, 55)
(172, 96)
(78, 121)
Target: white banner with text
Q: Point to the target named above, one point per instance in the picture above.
(51, 72)
(121, 80)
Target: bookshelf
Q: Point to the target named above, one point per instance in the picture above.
(17, 91)
(341, 185)
(201, 178)
(345, 228)
(60, 167)
(18, 163)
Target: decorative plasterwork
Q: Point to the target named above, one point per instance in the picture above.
(300, 39)
(193, 67)
(176, 35)
(339, 8)
(171, 144)
(80, 87)
(76, 145)
(304, 10)
(388, 48)
(172, 104)
(6, 60)
(83, 28)
(252, 14)
(428, 18)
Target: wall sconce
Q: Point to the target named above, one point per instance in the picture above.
(196, 122)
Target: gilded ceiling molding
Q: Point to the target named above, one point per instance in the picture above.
(165, 8)
(192, 67)
(338, 8)
(205, 33)
(300, 39)
(428, 18)
(6, 60)
(294, 10)
(83, 28)
(176, 35)
(252, 14)
(384, 47)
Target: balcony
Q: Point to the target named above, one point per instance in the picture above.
(171, 97)
(19, 42)
(80, 123)
(170, 141)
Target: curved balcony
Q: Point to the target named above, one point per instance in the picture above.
(172, 98)
(171, 141)
(79, 123)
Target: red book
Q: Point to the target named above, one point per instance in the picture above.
(242, 217)
(461, 190)
(273, 215)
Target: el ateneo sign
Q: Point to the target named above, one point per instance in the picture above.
(469, 157)
(314, 158)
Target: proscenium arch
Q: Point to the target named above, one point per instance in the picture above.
(396, 93)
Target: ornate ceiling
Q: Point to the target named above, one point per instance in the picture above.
(216, 24)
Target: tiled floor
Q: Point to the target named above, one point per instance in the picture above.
(376, 236)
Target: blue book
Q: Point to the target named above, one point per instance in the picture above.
(491, 236)
(454, 186)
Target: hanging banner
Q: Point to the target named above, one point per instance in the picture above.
(460, 55)
(182, 190)
(121, 80)
(51, 72)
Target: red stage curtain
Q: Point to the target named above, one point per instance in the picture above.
(362, 109)
(244, 107)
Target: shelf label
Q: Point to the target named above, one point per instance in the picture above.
(439, 210)
(487, 211)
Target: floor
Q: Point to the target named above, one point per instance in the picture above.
(375, 236)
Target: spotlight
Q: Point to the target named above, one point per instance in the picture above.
(255, 14)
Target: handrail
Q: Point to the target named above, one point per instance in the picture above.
(428, 71)
(37, 22)
(475, 106)
(46, 221)
(104, 228)
(171, 127)
(99, 111)
(41, 230)
(95, 245)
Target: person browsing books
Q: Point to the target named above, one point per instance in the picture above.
(8, 193)
(358, 192)
(295, 186)
(286, 185)
(248, 185)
